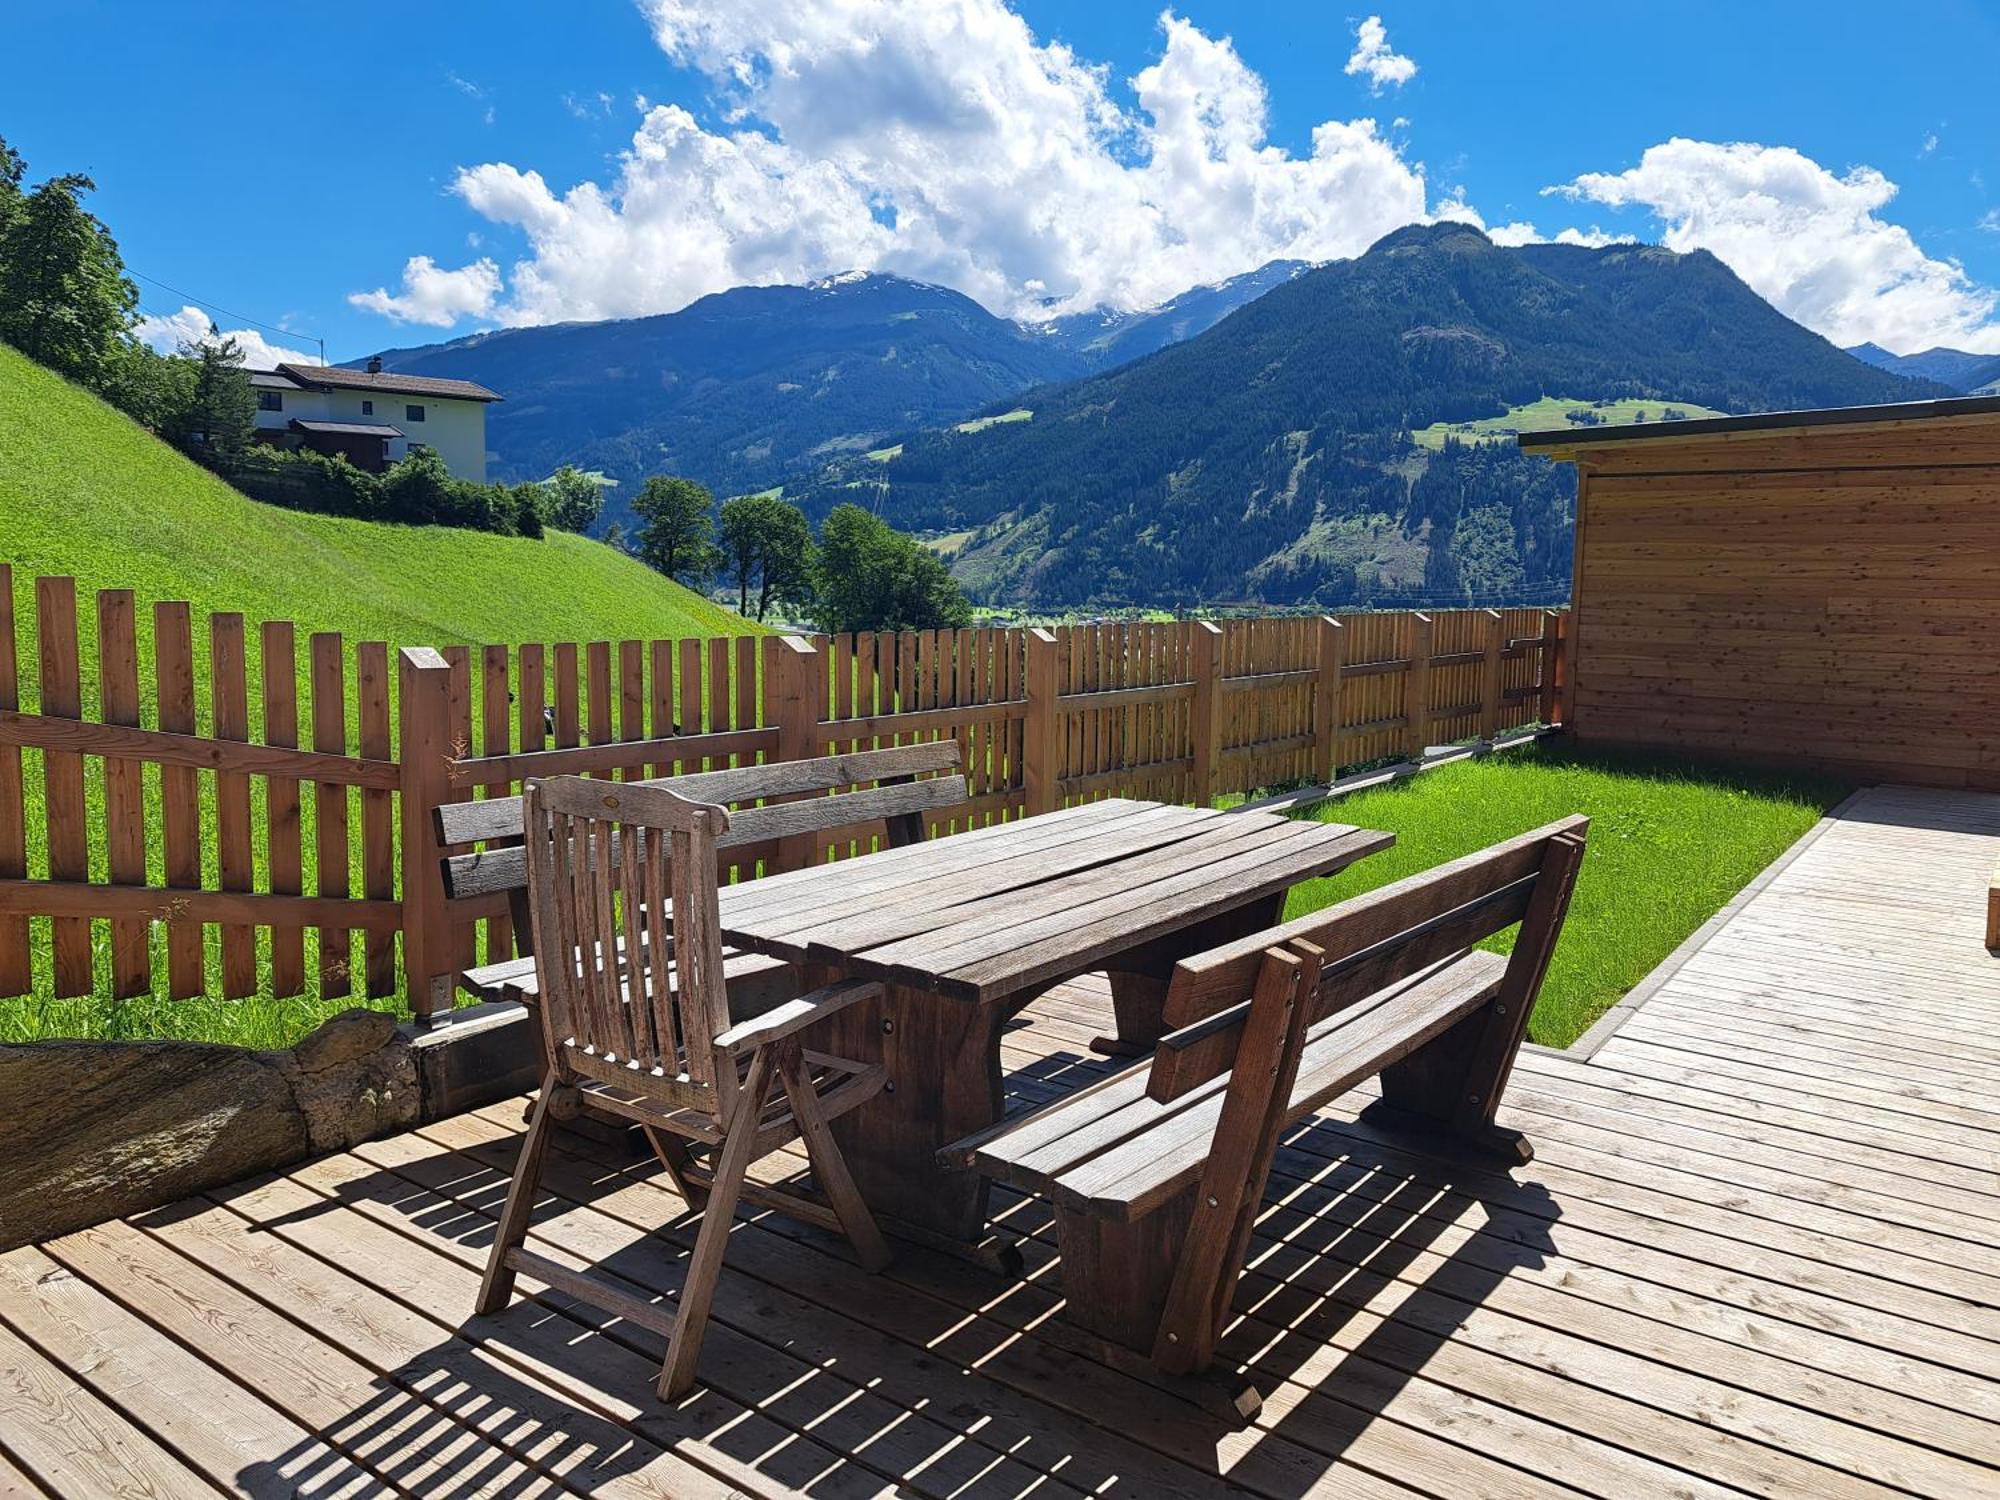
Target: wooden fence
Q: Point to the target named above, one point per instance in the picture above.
(171, 846)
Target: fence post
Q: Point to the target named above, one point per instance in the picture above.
(1490, 678)
(1041, 754)
(1417, 689)
(1555, 666)
(423, 711)
(1205, 723)
(792, 679)
(1326, 699)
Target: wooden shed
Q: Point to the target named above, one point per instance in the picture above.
(1817, 587)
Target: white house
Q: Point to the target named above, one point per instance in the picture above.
(373, 416)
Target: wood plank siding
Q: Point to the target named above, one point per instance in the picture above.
(1823, 595)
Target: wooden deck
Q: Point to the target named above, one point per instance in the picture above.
(1759, 1252)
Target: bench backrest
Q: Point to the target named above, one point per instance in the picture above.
(1373, 941)
(623, 1001)
(1252, 1005)
(898, 799)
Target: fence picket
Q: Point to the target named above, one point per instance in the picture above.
(378, 811)
(62, 777)
(17, 969)
(124, 788)
(279, 659)
(180, 794)
(229, 699)
(331, 857)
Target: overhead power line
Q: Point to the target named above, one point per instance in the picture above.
(215, 307)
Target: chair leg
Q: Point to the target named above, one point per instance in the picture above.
(829, 1167)
(705, 1265)
(497, 1286)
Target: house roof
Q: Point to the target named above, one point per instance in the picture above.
(348, 429)
(1563, 438)
(388, 382)
(272, 380)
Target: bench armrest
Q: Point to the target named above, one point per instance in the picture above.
(795, 1015)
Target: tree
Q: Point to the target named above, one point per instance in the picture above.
(12, 170)
(221, 410)
(870, 577)
(418, 490)
(575, 500)
(64, 298)
(675, 532)
(767, 539)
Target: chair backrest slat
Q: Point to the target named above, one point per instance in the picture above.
(623, 993)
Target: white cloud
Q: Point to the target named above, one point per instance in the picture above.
(190, 325)
(1810, 241)
(939, 139)
(1990, 221)
(434, 296)
(1373, 57)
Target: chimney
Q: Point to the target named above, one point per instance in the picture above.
(375, 365)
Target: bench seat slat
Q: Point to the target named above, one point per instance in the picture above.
(1116, 1153)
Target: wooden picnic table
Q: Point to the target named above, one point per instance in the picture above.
(964, 931)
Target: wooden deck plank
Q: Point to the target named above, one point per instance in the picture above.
(76, 1446)
(222, 1430)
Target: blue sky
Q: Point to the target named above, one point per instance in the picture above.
(285, 162)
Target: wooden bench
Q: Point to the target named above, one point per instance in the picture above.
(1157, 1173)
(832, 793)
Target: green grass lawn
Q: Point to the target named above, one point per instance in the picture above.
(1552, 412)
(1670, 842)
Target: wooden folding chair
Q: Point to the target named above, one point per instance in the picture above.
(641, 1029)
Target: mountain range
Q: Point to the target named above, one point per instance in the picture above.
(1967, 374)
(1294, 435)
(746, 388)
(1271, 458)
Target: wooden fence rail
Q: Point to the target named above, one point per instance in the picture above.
(238, 820)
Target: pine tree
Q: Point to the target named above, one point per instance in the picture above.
(221, 412)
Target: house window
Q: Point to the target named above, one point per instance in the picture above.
(368, 408)
(413, 414)
(270, 401)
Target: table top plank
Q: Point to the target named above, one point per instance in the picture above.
(998, 910)
(995, 927)
(1175, 904)
(1011, 886)
(877, 914)
(919, 861)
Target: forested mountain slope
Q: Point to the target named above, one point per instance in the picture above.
(1269, 459)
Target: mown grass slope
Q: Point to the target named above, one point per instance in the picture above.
(85, 491)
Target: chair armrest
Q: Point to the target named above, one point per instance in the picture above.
(795, 1015)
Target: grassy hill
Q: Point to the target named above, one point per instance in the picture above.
(85, 491)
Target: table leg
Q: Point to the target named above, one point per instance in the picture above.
(1139, 979)
(943, 1061)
